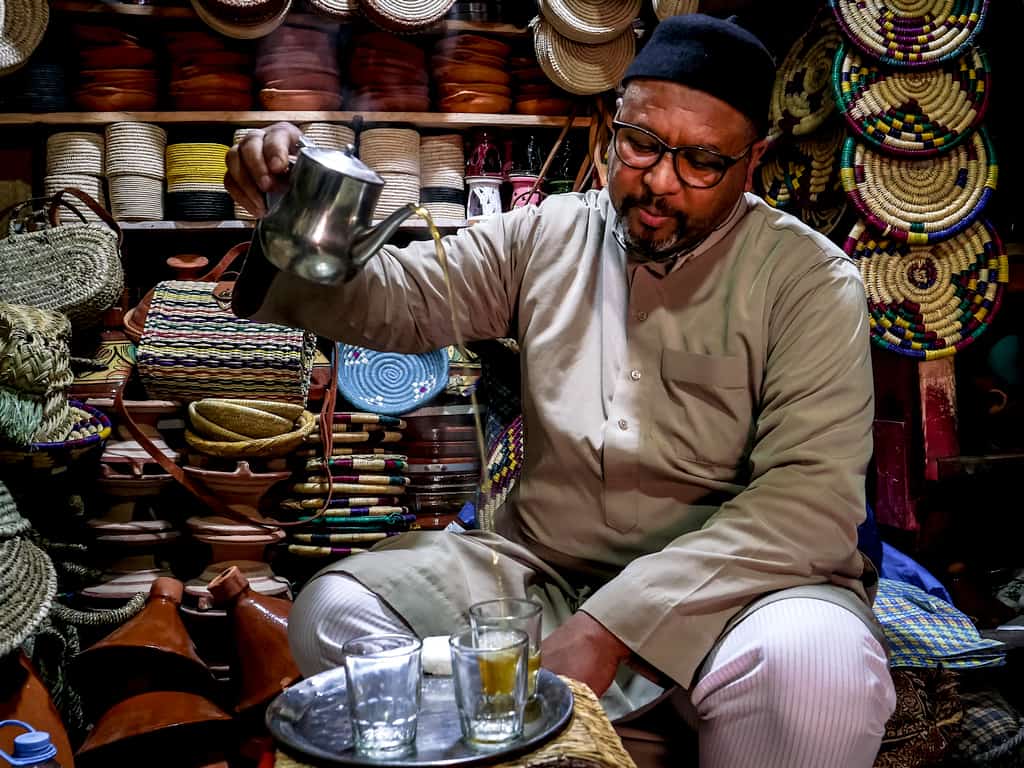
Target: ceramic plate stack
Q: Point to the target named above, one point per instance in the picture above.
(297, 69)
(802, 98)
(75, 159)
(366, 491)
(117, 70)
(243, 19)
(394, 153)
(582, 68)
(442, 183)
(135, 170)
(195, 182)
(533, 93)
(207, 71)
(405, 16)
(387, 74)
(22, 25)
(471, 74)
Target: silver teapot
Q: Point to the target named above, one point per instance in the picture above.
(321, 228)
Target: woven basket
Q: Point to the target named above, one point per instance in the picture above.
(267, 447)
(912, 113)
(391, 150)
(405, 16)
(21, 30)
(921, 201)
(930, 302)
(578, 68)
(590, 21)
(910, 33)
(802, 98)
(665, 8)
(89, 434)
(74, 152)
(339, 10)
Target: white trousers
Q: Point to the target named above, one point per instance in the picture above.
(799, 683)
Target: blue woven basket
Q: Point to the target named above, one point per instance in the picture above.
(389, 382)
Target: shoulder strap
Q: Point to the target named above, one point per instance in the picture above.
(58, 200)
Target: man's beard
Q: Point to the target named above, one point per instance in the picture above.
(665, 249)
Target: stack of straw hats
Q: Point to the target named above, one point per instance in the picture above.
(405, 16)
(585, 46)
(195, 182)
(75, 159)
(135, 170)
(243, 19)
(329, 135)
(394, 153)
(22, 25)
(442, 182)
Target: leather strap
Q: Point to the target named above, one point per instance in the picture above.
(58, 200)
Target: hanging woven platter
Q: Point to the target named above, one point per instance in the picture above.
(405, 16)
(665, 8)
(579, 68)
(590, 21)
(388, 382)
(912, 113)
(22, 25)
(930, 301)
(800, 172)
(910, 33)
(802, 99)
(921, 201)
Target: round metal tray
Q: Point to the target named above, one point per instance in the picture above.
(310, 719)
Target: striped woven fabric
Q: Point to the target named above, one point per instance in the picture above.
(192, 348)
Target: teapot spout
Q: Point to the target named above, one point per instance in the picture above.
(374, 238)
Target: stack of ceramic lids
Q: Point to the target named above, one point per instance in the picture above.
(405, 16)
(117, 70)
(471, 74)
(387, 74)
(442, 181)
(665, 8)
(920, 169)
(394, 153)
(22, 25)
(195, 182)
(244, 19)
(135, 170)
(297, 69)
(207, 72)
(360, 489)
(75, 159)
(585, 46)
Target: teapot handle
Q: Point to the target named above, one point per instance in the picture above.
(271, 199)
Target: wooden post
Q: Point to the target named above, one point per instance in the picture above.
(937, 381)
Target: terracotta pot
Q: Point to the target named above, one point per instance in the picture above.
(229, 540)
(24, 697)
(151, 652)
(242, 489)
(259, 627)
(224, 100)
(180, 729)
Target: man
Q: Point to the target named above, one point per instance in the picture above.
(698, 404)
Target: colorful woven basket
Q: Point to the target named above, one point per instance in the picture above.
(915, 112)
(910, 33)
(802, 99)
(90, 433)
(798, 173)
(930, 302)
(503, 468)
(388, 382)
(921, 201)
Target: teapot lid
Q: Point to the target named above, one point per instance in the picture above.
(344, 162)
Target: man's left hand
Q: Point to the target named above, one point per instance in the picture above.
(584, 650)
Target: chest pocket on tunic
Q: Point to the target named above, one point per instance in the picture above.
(707, 416)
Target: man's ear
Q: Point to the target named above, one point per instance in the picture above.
(756, 153)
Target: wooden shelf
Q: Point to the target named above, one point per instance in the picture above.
(186, 12)
(453, 120)
(197, 226)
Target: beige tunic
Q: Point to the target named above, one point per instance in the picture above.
(694, 439)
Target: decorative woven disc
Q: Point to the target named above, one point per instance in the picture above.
(590, 21)
(930, 302)
(910, 33)
(800, 172)
(921, 201)
(22, 25)
(390, 383)
(912, 112)
(803, 97)
(404, 16)
(578, 68)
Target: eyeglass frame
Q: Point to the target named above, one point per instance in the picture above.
(663, 147)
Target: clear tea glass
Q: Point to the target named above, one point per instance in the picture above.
(489, 669)
(383, 673)
(513, 613)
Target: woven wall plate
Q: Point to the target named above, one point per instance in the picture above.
(390, 383)
(590, 21)
(912, 112)
(665, 8)
(21, 30)
(800, 172)
(404, 16)
(910, 33)
(929, 302)
(578, 68)
(802, 98)
(921, 201)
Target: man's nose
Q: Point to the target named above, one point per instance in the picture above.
(661, 178)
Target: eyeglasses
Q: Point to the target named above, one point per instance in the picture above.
(695, 166)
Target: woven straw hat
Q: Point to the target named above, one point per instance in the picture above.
(22, 26)
(329, 135)
(802, 98)
(911, 33)
(399, 189)
(590, 21)
(665, 8)
(391, 150)
(912, 112)
(578, 68)
(135, 149)
(932, 301)
(238, 29)
(339, 10)
(921, 201)
(75, 152)
(28, 581)
(405, 15)
(136, 198)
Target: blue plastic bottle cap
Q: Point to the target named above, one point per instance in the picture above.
(34, 747)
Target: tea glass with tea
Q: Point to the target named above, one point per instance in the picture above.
(513, 613)
(489, 667)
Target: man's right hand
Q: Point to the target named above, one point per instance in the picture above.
(259, 164)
